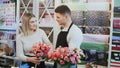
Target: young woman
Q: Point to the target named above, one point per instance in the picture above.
(30, 35)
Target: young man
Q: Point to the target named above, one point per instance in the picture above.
(70, 35)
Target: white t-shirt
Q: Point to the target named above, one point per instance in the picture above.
(25, 43)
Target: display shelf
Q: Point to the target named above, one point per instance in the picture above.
(115, 41)
(7, 61)
(7, 29)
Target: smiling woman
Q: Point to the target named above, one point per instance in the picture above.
(30, 35)
(29, 23)
(33, 23)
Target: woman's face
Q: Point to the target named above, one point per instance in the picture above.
(33, 23)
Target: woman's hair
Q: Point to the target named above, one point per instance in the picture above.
(63, 9)
(25, 23)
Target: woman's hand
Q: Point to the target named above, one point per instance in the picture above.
(34, 60)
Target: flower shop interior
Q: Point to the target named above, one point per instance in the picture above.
(98, 20)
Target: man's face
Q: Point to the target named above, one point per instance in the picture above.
(60, 18)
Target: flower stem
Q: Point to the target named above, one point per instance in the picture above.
(35, 65)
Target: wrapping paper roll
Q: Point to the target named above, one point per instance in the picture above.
(97, 18)
(95, 38)
(116, 38)
(115, 48)
(116, 23)
(115, 56)
(116, 29)
(77, 17)
(116, 9)
(117, 14)
(97, 30)
(94, 46)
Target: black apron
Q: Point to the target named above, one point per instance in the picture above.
(62, 41)
(62, 38)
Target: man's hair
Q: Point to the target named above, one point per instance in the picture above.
(63, 9)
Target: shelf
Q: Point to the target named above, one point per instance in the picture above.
(116, 43)
(116, 12)
(112, 60)
(52, 7)
(27, 7)
(51, 63)
(9, 57)
(115, 63)
(92, 26)
(2, 53)
(6, 61)
(3, 41)
(116, 32)
(116, 18)
(115, 50)
(8, 28)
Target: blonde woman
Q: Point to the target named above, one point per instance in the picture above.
(30, 35)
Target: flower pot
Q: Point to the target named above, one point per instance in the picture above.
(66, 66)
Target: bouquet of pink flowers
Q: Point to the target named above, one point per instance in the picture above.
(40, 50)
(65, 55)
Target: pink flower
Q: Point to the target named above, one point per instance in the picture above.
(65, 55)
(39, 54)
(66, 59)
(62, 62)
(40, 50)
(72, 59)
